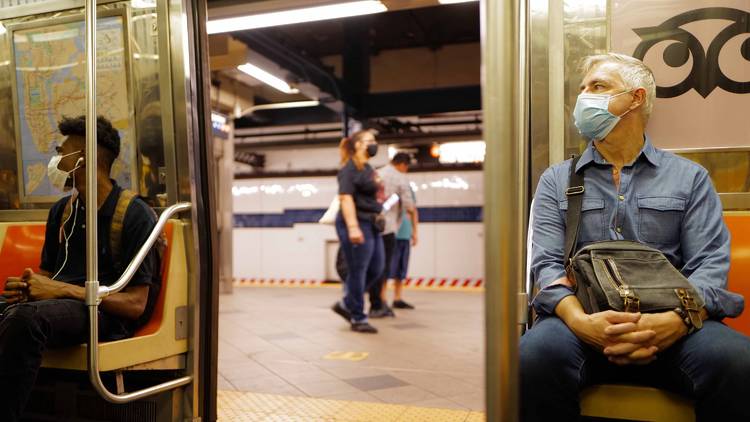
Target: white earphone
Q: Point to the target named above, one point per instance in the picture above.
(74, 214)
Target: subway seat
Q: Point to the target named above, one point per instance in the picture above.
(632, 402)
(738, 223)
(160, 344)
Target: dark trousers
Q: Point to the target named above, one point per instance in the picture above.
(389, 244)
(26, 330)
(364, 264)
(710, 366)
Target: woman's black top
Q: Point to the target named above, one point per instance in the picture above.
(364, 186)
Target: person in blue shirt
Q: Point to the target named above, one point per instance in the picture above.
(406, 237)
(633, 191)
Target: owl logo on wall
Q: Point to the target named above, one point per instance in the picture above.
(706, 74)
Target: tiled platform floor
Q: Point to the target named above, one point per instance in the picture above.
(235, 406)
(275, 340)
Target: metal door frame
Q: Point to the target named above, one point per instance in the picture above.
(505, 106)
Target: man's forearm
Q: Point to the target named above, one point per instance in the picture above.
(128, 304)
(570, 311)
(71, 291)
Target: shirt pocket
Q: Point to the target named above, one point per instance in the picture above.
(660, 218)
(591, 227)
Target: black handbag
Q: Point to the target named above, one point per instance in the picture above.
(623, 275)
(379, 222)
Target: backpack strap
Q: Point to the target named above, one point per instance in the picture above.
(115, 230)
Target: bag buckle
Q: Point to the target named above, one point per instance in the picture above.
(574, 190)
(688, 302)
(631, 304)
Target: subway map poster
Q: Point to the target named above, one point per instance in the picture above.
(50, 77)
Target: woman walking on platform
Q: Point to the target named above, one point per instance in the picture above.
(359, 225)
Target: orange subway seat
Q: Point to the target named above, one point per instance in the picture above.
(738, 223)
(22, 248)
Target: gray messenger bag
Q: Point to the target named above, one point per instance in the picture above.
(622, 275)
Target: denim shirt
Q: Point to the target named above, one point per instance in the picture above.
(664, 201)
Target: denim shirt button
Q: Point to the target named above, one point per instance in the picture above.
(619, 229)
(621, 198)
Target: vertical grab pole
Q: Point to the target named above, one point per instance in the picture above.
(93, 294)
(92, 257)
(504, 97)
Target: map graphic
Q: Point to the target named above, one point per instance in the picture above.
(50, 83)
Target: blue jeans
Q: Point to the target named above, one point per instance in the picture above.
(400, 261)
(710, 366)
(364, 262)
(27, 329)
(375, 289)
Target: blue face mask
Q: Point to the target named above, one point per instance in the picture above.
(592, 116)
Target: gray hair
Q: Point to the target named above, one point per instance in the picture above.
(634, 73)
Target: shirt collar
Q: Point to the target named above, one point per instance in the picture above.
(592, 155)
(108, 207)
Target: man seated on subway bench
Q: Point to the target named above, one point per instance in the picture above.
(47, 309)
(626, 179)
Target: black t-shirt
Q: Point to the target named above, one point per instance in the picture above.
(364, 186)
(137, 225)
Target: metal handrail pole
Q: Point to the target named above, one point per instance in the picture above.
(130, 270)
(503, 97)
(93, 345)
(95, 377)
(93, 293)
(92, 257)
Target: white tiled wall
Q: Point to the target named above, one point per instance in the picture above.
(316, 158)
(446, 250)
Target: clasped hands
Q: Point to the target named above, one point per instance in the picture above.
(31, 286)
(630, 338)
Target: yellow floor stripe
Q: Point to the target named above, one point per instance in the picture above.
(239, 406)
(338, 286)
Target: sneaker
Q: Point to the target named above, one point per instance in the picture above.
(382, 312)
(341, 311)
(400, 304)
(364, 327)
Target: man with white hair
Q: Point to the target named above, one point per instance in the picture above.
(633, 191)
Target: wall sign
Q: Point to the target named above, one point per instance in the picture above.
(700, 57)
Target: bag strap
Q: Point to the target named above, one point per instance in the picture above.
(574, 193)
(118, 219)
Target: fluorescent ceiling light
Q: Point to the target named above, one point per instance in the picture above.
(290, 104)
(308, 14)
(455, 1)
(267, 78)
(276, 106)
